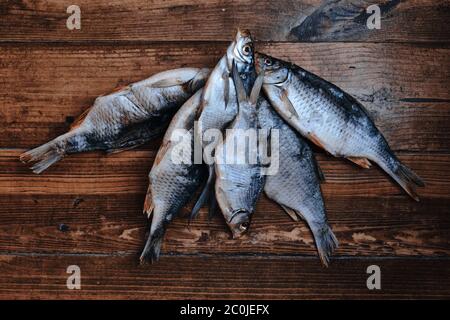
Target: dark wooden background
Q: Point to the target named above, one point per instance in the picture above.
(49, 75)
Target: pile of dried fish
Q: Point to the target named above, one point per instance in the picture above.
(295, 104)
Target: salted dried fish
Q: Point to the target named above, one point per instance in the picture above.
(124, 119)
(296, 184)
(174, 176)
(331, 118)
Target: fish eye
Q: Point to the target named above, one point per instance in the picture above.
(247, 49)
(268, 61)
(244, 226)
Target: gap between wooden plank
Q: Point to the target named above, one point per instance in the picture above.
(283, 256)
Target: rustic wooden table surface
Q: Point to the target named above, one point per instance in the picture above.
(86, 210)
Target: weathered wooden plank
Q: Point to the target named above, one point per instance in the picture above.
(213, 20)
(110, 224)
(348, 20)
(126, 173)
(405, 87)
(86, 210)
(203, 277)
(100, 199)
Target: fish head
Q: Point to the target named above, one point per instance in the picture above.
(276, 72)
(239, 222)
(242, 50)
(236, 214)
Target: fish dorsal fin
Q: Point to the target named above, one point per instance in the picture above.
(165, 83)
(182, 79)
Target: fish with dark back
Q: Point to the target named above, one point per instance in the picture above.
(174, 177)
(239, 183)
(124, 119)
(296, 103)
(295, 186)
(219, 102)
(331, 118)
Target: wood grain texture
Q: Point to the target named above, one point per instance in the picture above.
(206, 277)
(86, 210)
(347, 20)
(215, 20)
(111, 224)
(405, 87)
(126, 173)
(100, 199)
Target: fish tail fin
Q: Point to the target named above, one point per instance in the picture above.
(152, 247)
(205, 194)
(326, 242)
(47, 154)
(403, 175)
(407, 174)
(408, 180)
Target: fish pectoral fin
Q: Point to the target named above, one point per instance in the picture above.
(288, 104)
(362, 162)
(291, 212)
(314, 139)
(148, 203)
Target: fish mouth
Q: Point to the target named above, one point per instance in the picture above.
(244, 33)
(237, 212)
(237, 235)
(241, 226)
